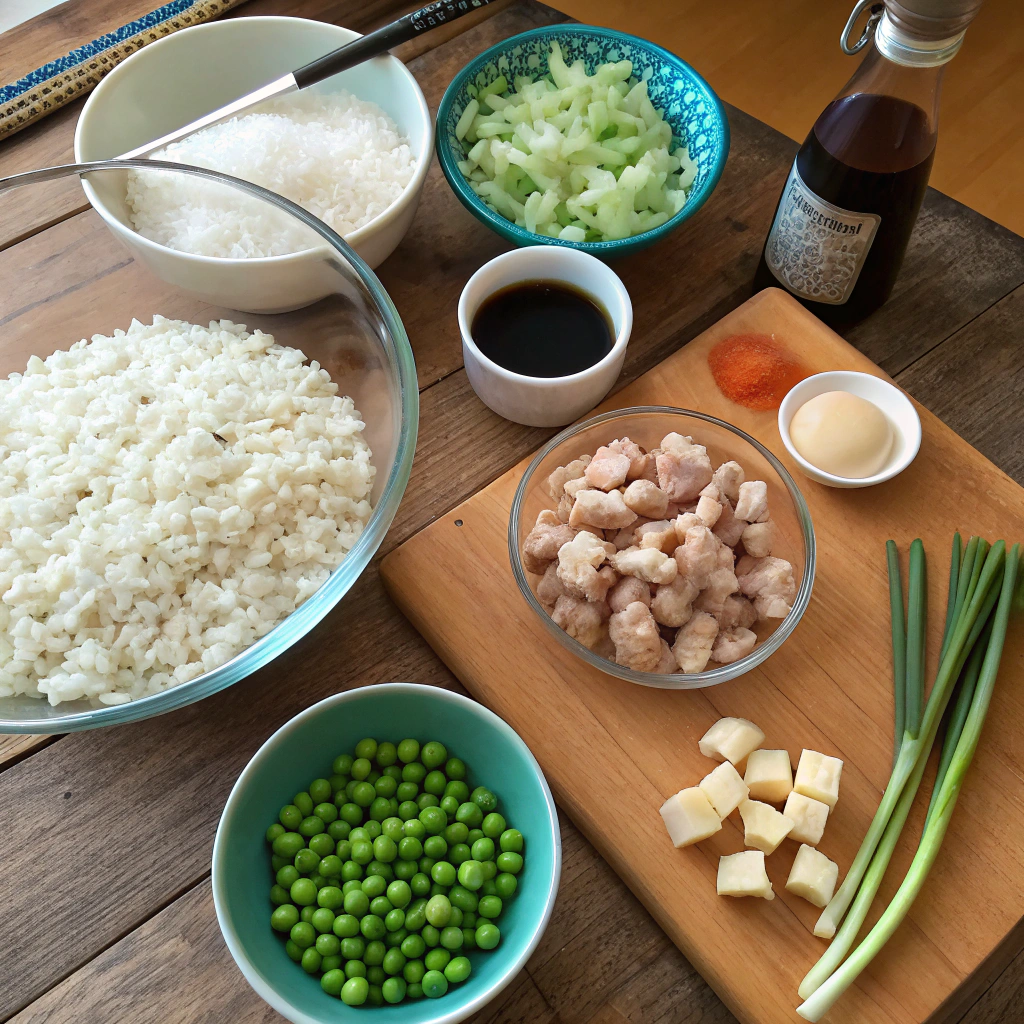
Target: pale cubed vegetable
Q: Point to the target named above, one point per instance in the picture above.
(731, 739)
(817, 776)
(808, 817)
(689, 817)
(813, 876)
(769, 775)
(743, 874)
(724, 788)
(764, 827)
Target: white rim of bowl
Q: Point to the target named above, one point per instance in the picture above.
(266, 992)
(912, 440)
(557, 253)
(423, 158)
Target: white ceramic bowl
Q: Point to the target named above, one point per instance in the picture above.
(898, 409)
(185, 75)
(545, 401)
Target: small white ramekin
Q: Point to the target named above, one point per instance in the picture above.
(897, 407)
(545, 401)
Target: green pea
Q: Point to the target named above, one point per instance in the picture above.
(288, 844)
(456, 918)
(487, 889)
(338, 784)
(505, 885)
(304, 802)
(408, 750)
(327, 944)
(437, 959)
(449, 805)
(394, 990)
(458, 969)
(276, 862)
(357, 903)
(469, 938)
(274, 831)
(484, 799)
(374, 954)
(414, 829)
(332, 982)
(407, 791)
(416, 915)
(279, 895)
(375, 867)
(330, 866)
(469, 814)
(311, 960)
(372, 928)
(374, 886)
(342, 764)
(331, 963)
(387, 754)
(433, 754)
(352, 883)
(319, 791)
(471, 875)
(361, 769)
(439, 910)
(414, 991)
(303, 892)
(434, 783)
(443, 873)
(345, 926)
(380, 906)
(322, 845)
(362, 851)
(511, 862)
(455, 768)
(306, 861)
(394, 961)
(354, 948)
(490, 869)
(393, 940)
(351, 871)
(474, 835)
(385, 849)
(438, 890)
(351, 814)
(293, 951)
(363, 794)
(404, 869)
(284, 918)
(393, 827)
(385, 787)
(408, 809)
(303, 934)
(490, 907)
(366, 748)
(457, 789)
(339, 830)
(306, 914)
(487, 935)
(311, 826)
(483, 849)
(330, 897)
(400, 894)
(493, 825)
(463, 898)
(427, 800)
(431, 936)
(459, 853)
(350, 786)
(451, 937)
(395, 919)
(410, 848)
(434, 820)
(326, 812)
(414, 772)
(420, 883)
(375, 996)
(355, 992)
(355, 969)
(435, 847)
(469, 919)
(393, 771)
(435, 984)
(318, 880)
(323, 920)
(380, 809)
(455, 833)
(413, 947)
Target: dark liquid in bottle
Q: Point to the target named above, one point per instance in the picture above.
(542, 329)
(867, 154)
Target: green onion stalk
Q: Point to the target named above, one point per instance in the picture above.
(899, 644)
(822, 998)
(916, 745)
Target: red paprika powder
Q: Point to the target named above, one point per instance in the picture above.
(753, 370)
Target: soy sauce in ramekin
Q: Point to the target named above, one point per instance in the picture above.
(543, 329)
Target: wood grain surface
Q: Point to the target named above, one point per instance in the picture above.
(149, 795)
(827, 688)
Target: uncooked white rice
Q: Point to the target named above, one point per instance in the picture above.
(167, 496)
(337, 156)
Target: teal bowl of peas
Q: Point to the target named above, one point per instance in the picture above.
(391, 854)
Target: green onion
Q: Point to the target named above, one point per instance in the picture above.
(917, 601)
(899, 645)
(954, 584)
(935, 827)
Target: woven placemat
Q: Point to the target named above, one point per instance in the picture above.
(44, 90)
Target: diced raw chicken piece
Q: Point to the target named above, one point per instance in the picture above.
(726, 556)
(753, 500)
(697, 556)
(628, 590)
(732, 644)
(712, 491)
(582, 620)
(604, 648)
(673, 442)
(709, 510)
(694, 641)
(595, 508)
(661, 535)
(646, 499)
(648, 564)
(737, 611)
(728, 477)
(607, 469)
(636, 455)
(757, 539)
(729, 529)
(573, 471)
(541, 546)
(578, 563)
(672, 603)
(635, 635)
(684, 521)
(626, 537)
(572, 487)
(564, 508)
(683, 471)
(667, 665)
(721, 583)
(650, 466)
(770, 584)
(550, 588)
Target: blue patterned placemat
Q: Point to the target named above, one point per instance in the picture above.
(42, 91)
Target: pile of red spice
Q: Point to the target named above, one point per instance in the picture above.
(754, 370)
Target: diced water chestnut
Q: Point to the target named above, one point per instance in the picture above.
(769, 775)
(725, 789)
(689, 817)
(764, 827)
(808, 817)
(731, 739)
(743, 874)
(813, 876)
(817, 776)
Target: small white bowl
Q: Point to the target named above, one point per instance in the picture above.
(896, 406)
(545, 401)
(185, 75)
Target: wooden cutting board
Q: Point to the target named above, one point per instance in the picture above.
(613, 751)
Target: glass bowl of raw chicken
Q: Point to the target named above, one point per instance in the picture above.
(662, 546)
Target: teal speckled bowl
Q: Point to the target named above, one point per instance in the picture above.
(690, 106)
(300, 751)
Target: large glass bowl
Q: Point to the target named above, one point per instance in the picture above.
(75, 280)
(647, 425)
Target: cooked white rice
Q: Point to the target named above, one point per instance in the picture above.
(337, 156)
(167, 496)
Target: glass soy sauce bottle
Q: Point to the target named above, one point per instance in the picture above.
(847, 210)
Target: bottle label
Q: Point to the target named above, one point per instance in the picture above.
(815, 249)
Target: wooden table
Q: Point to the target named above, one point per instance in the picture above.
(105, 837)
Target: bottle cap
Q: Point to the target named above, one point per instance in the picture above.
(923, 33)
